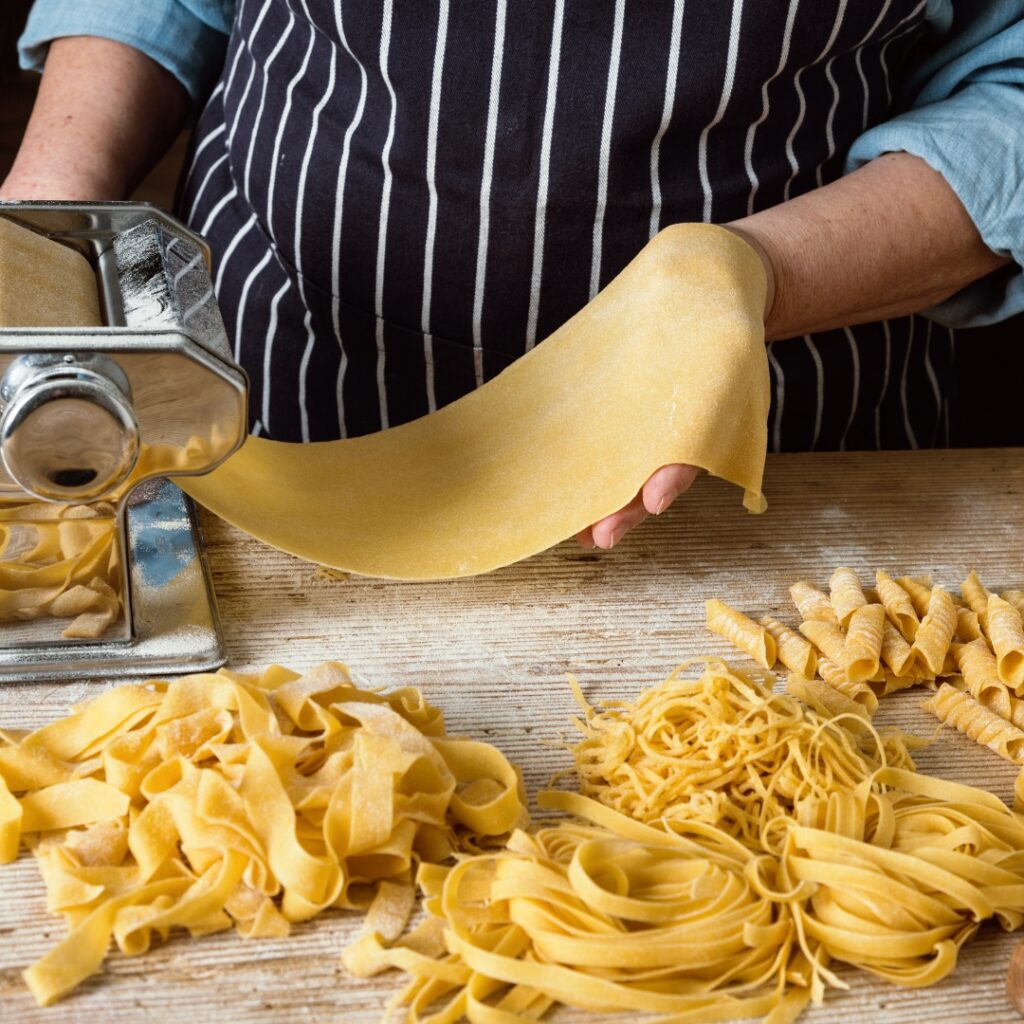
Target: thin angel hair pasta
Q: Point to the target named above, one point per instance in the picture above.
(862, 648)
(898, 606)
(811, 603)
(687, 748)
(1007, 636)
(790, 648)
(846, 594)
(931, 645)
(961, 711)
(741, 632)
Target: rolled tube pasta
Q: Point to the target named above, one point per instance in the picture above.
(975, 594)
(1007, 635)
(827, 637)
(980, 674)
(825, 699)
(919, 593)
(968, 625)
(846, 593)
(863, 646)
(895, 651)
(740, 631)
(898, 605)
(812, 604)
(859, 693)
(935, 634)
(1014, 597)
(791, 648)
(961, 711)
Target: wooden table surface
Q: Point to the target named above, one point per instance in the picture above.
(493, 651)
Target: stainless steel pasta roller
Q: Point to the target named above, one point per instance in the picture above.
(92, 421)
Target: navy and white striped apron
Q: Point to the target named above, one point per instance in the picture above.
(403, 196)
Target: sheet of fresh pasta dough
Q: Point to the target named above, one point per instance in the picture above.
(667, 364)
(44, 283)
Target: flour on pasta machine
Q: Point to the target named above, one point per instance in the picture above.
(92, 422)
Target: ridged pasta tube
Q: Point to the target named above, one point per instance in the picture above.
(1007, 636)
(935, 634)
(898, 605)
(896, 652)
(919, 593)
(791, 648)
(862, 649)
(960, 710)
(827, 637)
(846, 594)
(812, 604)
(740, 631)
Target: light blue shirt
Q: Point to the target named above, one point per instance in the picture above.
(964, 107)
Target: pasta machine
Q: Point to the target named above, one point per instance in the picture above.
(92, 422)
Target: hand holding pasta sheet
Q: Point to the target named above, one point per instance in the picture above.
(665, 367)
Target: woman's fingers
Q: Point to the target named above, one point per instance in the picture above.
(662, 488)
(665, 485)
(610, 530)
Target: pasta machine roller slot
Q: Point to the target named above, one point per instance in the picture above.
(102, 567)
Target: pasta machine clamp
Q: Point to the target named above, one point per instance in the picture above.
(92, 422)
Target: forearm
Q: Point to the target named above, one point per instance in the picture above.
(889, 239)
(104, 114)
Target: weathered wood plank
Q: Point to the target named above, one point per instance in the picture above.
(493, 652)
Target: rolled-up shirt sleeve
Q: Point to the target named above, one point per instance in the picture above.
(964, 116)
(187, 37)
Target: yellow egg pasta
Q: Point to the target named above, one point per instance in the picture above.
(1014, 597)
(1007, 636)
(63, 562)
(846, 594)
(968, 626)
(895, 652)
(826, 700)
(897, 604)
(859, 692)
(252, 801)
(701, 899)
(741, 632)
(975, 594)
(960, 710)
(812, 604)
(827, 637)
(790, 648)
(862, 650)
(919, 593)
(931, 645)
(980, 676)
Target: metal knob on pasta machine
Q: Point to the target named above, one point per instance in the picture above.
(104, 414)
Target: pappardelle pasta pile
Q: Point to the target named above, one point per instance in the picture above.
(855, 645)
(62, 562)
(807, 852)
(252, 801)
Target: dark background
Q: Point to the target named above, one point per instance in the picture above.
(990, 360)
